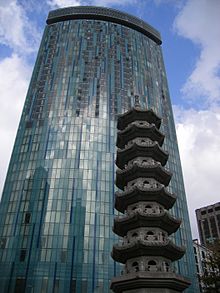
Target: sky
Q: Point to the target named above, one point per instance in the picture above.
(190, 32)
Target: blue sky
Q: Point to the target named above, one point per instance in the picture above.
(190, 31)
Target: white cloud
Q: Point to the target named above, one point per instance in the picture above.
(177, 3)
(199, 21)
(16, 30)
(114, 2)
(20, 34)
(15, 75)
(199, 131)
(63, 3)
(199, 143)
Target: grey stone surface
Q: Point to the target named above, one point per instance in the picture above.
(145, 249)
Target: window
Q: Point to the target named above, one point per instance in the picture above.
(84, 285)
(19, 285)
(56, 286)
(152, 266)
(44, 285)
(73, 286)
(148, 207)
(27, 218)
(135, 266)
(22, 255)
(150, 233)
(63, 255)
(167, 266)
(3, 242)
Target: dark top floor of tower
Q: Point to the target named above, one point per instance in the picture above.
(106, 14)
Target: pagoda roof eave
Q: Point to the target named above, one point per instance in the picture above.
(134, 130)
(139, 247)
(136, 171)
(137, 114)
(143, 279)
(154, 151)
(139, 219)
(136, 194)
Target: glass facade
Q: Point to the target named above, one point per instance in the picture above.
(57, 212)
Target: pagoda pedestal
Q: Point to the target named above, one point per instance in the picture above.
(145, 248)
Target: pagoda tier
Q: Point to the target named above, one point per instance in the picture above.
(139, 218)
(141, 147)
(146, 225)
(164, 282)
(139, 247)
(139, 129)
(143, 189)
(137, 114)
(140, 168)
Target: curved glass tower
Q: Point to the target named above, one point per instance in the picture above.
(57, 212)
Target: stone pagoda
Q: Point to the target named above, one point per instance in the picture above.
(145, 250)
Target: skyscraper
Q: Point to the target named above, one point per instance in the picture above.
(57, 205)
(208, 220)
